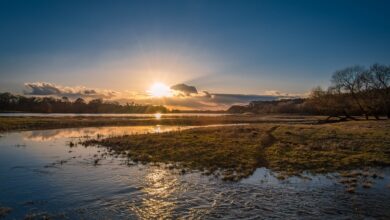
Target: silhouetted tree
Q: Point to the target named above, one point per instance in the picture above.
(355, 91)
(378, 78)
(349, 80)
(17, 103)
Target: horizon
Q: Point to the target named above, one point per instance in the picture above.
(194, 109)
(201, 55)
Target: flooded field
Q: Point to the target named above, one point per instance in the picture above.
(44, 174)
(135, 115)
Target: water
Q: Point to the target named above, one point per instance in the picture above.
(41, 175)
(111, 115)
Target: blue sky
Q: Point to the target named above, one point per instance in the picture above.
(240, 47)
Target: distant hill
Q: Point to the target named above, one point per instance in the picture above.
(298, 105)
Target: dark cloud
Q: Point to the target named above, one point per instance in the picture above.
(209, 101)
(51, 89)
(42, 89)
(240, 98)
(187, 98)
(185, 89)
(192, 99)
(207, 94)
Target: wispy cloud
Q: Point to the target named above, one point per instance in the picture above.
(51, 89)
(185, 96)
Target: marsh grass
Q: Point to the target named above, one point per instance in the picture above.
(289, 149)
(4, 211)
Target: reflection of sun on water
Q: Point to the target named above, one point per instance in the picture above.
(157, 115)
(50, 135)
(157, 129)
(160, 189)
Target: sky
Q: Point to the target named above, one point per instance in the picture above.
(234, 51)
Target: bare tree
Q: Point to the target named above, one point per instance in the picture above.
(379, 77)
(331, 102)
(349, 80)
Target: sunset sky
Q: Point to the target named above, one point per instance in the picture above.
(218, 53)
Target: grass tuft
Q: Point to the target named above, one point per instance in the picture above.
(288, 149)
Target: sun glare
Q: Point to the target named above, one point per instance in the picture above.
(157, 116)
(159, 90)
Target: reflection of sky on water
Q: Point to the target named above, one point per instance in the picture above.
(39, 173)
(132, 115)
(93, 132)
(99, 132)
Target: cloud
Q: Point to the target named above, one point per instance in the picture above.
(274, 93)
(185, 97)
(230, 99)
(51, 89)
(207, 101)
(185, 89)
(188, 97)
(207, 94)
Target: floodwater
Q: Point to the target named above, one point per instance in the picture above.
(42, 176)
(135, 115)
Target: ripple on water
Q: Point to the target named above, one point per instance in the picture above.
(78, 189)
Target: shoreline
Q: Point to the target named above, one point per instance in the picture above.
(235, 152)
(288, 145)
(18, 123)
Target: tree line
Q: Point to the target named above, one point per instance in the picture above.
(354, 91)
(284, 106)
(19, 103)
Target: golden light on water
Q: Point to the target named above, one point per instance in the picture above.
(160, 187)
(52, 135)
(159, 90)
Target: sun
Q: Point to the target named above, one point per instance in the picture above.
(159, 90)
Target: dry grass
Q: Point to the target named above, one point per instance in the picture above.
(235, 152)
(4, 211)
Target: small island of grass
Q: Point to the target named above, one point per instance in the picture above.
(234, 152)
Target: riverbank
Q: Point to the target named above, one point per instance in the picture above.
(234, 152)
(19, 123)
(42, 171)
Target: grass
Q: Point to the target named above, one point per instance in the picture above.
(324, 148)
(287, 144)
(199, 149)
(289, 149)
(4, 211)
